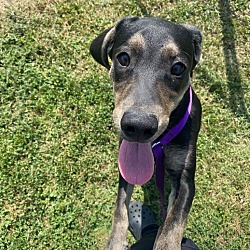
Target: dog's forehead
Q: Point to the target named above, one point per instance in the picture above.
(156, 33)
(167, 44)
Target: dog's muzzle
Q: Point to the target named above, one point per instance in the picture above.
(138, 126)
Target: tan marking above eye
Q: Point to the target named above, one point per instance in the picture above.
(137, 42)
(170, 49)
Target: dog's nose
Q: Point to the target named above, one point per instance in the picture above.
(138, 126)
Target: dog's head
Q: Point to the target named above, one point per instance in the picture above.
(152, 63)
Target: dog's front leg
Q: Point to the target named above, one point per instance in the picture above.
(171, 233)
(118, 238)
(183, 188)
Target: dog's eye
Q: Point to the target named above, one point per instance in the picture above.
(177, 69)
(123, 59)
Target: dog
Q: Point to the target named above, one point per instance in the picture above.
(151, 63)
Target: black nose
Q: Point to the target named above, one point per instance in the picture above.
(138, 126)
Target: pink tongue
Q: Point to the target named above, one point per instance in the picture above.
(136, 162)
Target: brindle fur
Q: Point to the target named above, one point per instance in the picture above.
(147, 88)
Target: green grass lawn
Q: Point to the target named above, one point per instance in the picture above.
(58, 147)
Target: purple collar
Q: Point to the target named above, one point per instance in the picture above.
(158, 152)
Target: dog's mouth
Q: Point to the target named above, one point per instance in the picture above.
(138, 131)
(136, 162)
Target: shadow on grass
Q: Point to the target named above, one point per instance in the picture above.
(237, 102)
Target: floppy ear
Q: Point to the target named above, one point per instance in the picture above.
(197, 41)
(101, 46)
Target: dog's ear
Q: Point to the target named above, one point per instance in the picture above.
(197, 41)
(101, 46)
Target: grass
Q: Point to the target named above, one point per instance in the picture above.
(58, 147)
